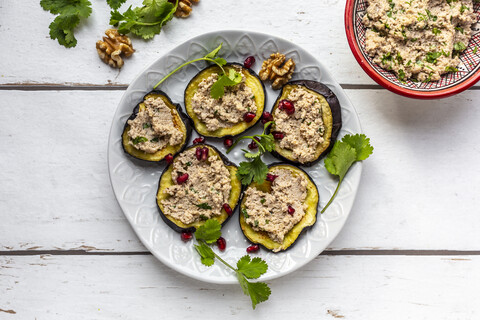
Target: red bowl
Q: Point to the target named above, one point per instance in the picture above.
(451, 83)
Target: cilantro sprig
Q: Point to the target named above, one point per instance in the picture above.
(146, 21)
(69, 12)
(256, 169)
(344, 153)
(247, 268)
(224, 80)
(115, 4)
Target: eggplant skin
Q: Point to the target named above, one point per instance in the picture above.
(166, 181)
(252, 80)
(333, 123)
(181, 120)
(308, 220)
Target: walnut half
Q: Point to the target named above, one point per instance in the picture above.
(273, 70)
(112, 46)
(184, 7)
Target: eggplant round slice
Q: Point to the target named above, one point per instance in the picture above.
(166, 181)
(251, 80)
(331, 116)
(261, 237)
(180, 121)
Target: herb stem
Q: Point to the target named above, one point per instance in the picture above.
(186, 64)
(223, 261)
(333, 196)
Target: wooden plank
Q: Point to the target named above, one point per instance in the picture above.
(32, 57)
(140, 287)
(419, 190)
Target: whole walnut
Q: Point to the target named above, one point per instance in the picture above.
(113, 46)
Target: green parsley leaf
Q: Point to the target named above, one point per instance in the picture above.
(245, 213)
(203, 217)
(206, 254)
(459, 47)
(262, 201)
(451, 69)
(138, 140)
(258, 291)
(254, 170)
(115, 4)
(251, 269)
(146, 21)
(433, 56)
(214, 52)
(344, 153)
(218, 87)
(147, 125)
(436, 31)
(69, 14)
(204, 205)
(209, 231)
(459, 29)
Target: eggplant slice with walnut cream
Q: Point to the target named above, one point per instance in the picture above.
(274, 213)
(236, 111)
(156, 128)
(198, 185)
(308, 119)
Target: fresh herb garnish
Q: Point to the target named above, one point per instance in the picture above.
(459, 46)
(147, 125)
(463, 8)
(247, 268)
(262, 201)
(344, 153)
(245, 214)
(224, 80)
(154, 139)
(203, 217)
(433, 56)
(436, 31)
(401, 75)
(146, 21)
(138, 140)
(115, 4)
(451, 69)
(256, 169)
(475, 50)
(70, 12)
(204, 205)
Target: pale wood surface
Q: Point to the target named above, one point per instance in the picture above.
(419, 193)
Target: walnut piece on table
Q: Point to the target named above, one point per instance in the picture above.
(112, 47)
(184, 7)
(273, 70)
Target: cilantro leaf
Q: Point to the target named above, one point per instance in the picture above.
(251, 269)
(214, 52)
(69, 14)
(204, 205)
(258, 291)
(361, 144)
(146, 21)
(344, 153)
(206, 254)
(218, 87)
(209, 231)
(268, 142)
(115, 4)
(220, 61)
(254, 170)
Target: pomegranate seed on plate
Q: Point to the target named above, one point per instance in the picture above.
(169, 158)
(266, 117)
(198, 153)
(198, 140)
(291, 211)
(186, 236)
(228, 142)
(271, 177)
(227, 209)
(221, 243)
(253, 248)
(249, 116)
(278, 135)
(252, 145)
(204, 153)
(182, 178)
(249, 61)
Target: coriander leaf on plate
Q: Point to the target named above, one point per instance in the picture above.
(115, 4)
(214, 52)
(218, 88)
(251, 269)
(80, 8)
(361, 144)
(252, 170)
(206, 254)
(209, 231)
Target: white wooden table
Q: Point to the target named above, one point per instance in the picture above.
(410, 249)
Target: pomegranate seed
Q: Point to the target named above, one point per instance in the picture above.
(228, 142)
(198, 153)
(249, 62)
(252, 145)
(253, 248)
(169, 158)
(221, 243)
(204, 153)
(249, 116)
(182, 178)
(227, 209)
(278, 135)
(266, 117)
(291, 211)
(198, 140)
(271, 177)
(186, 236)
(287, 106)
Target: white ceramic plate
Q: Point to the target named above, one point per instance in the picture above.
(135, 183)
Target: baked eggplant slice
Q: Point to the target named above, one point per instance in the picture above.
(167, 180)
(331, 116)
(180, 121)
(269, 208)
(252, 81)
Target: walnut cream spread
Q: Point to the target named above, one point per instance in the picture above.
(418, 39)
(303, 129)
(202, 186)
(226, 111)
(153, 128)
(277, 212)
